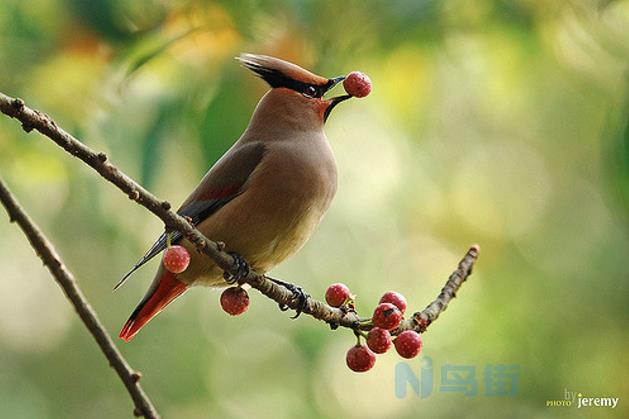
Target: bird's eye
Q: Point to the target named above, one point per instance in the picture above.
(310, 91)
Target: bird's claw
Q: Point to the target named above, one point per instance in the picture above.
(298, 293)
(242, 270)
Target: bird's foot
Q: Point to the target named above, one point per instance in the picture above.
(242, 270)
(298, 293)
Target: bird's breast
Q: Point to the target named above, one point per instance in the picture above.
(296, 184)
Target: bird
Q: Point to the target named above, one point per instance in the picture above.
(265, 196)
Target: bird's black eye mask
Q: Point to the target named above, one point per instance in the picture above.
(277, 79)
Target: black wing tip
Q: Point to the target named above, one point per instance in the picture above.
(124, 278)
(157, 247)
(128, 274)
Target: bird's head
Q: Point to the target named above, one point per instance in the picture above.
(294, 87)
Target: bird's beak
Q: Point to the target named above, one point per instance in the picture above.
(333, 82)
(335, 100)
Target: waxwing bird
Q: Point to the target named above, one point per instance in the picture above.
(264, 197)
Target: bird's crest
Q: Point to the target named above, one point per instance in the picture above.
(280, 73)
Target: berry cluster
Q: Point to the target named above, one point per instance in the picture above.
(387, 316)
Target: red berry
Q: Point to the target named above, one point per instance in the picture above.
(360, 359)
(396, 299)
(387, 316)
(357, 84)
(176, 259)
(337, 294)
(408, 344)
(235, 300)
(379, 340)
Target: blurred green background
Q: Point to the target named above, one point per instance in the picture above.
(502, 123)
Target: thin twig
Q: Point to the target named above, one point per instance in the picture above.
(65, 279)
(422, 319)
(33, 119)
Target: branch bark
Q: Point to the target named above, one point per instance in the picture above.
(34, 119)
(65, 279)
(422, 319)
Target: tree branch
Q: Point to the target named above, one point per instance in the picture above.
(422, 319)
(65, 279)
(33, 119)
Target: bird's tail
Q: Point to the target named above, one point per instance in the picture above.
(162, 293)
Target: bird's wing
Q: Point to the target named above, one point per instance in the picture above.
(225, 180)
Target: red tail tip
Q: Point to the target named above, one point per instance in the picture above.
(166, 291)
(125, 333)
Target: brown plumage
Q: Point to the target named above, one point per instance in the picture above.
(266, 195)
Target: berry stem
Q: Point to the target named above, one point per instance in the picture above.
(358, 334)
(362, 333)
